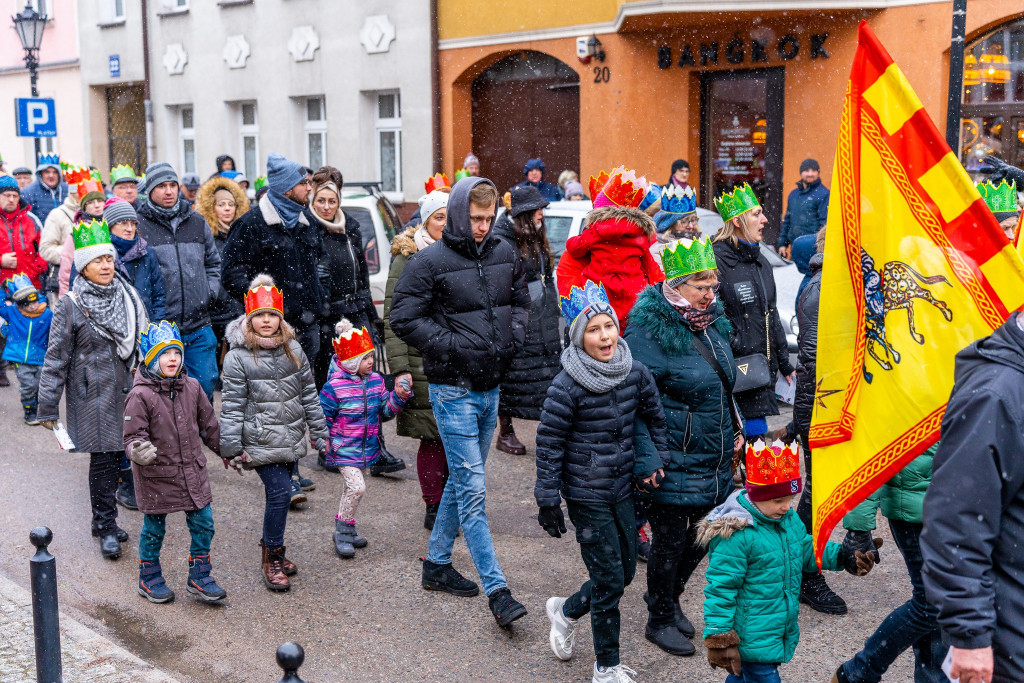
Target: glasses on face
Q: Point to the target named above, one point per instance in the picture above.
(704, 289)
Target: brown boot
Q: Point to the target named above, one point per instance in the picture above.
(507, 441)
(273, 574)
(287, 566)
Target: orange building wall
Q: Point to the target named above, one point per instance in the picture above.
(645, 117)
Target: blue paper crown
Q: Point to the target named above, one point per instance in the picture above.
(679, 200)
(653, 193)
(49, 160)
(156, 338)
(19, 286)
(579, 300)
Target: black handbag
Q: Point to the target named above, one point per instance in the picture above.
(752, 372)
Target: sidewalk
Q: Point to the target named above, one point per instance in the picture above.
(87, 656)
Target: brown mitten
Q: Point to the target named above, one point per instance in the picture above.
(723, 651)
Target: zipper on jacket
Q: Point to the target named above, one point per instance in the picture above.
(487, 298)
(28, 342)
(362, 384)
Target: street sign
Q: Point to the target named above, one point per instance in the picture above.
(35, 117)
(115, 66)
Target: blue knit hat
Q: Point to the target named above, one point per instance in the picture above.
(534, 164)
(283, 174)
(9, 184)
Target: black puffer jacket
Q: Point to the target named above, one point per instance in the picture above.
(807, 340)
(748, 292)
(585, 440)
(463, 305)
(344, 274)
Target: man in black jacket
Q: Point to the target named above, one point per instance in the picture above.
(463, 302)
(974, 512)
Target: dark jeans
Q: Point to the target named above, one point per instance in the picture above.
(277, 482)
(756, 672)
(607, 538)
(154, 528)
(912, 624)
(432, 468)
(674, 556)
(104, 469)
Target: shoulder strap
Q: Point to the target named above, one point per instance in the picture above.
(706, 353)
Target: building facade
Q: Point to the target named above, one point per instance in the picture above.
(743, 90)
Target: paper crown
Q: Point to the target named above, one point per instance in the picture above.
(261, 182)
(737, 202)
(90, 234)
(621, 187)
(686, 257)
(76, 174)
(122, 172)
(772, 471)
(653, 195)
(352, 343)
(1001, 198)
(438, 182)
(460, 174)
(19, 286)
(678, 200)
(264, 298)
(50, 160)
(580, 299)
(86, 186)
(158, 337)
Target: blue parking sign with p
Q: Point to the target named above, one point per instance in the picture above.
(36, 117)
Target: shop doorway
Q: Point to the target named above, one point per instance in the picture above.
(741, 137)
(526, 105)
(126, 126)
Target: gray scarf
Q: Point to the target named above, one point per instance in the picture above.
(115, 310)
(594, 375)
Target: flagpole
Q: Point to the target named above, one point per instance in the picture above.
(956, 75)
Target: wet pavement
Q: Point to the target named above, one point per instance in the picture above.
(364, 619)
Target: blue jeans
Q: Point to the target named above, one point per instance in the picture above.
(912, 624)
(200, 526)
(466, 421)
(756, 672)
(201, 357)
(277, 485)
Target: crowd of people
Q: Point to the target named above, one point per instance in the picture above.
(137, 307)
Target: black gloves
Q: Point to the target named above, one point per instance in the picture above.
(1003, 170)
(652, 483)
(862, 541)
(552, 520)
(855, 560)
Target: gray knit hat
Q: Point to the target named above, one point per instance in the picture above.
(579, 325)
(117, 210)
(157, 173)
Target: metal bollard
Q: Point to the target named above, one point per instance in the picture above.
(45, 618)
(290, 657)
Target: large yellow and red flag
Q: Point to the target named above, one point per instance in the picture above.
(916, 268)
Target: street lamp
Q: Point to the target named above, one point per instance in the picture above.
(30, 25)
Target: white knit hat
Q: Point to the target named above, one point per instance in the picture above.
(429, 203)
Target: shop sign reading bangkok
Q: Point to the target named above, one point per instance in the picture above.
(739, 51)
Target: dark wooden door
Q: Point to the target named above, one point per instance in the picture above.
(524, 106)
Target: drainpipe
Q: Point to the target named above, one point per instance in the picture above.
(147, 99)
(435, 89)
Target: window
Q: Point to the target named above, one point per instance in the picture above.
(187, 138)
(389, 141)
(47, 145)
(116, 10)
(249, 130)
(316, 132)
(41, 6)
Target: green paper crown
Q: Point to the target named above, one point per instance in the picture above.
(261, 182)
(737, 202)
(1001, 198)
(91, 234)
(686, 257)
(121, 171)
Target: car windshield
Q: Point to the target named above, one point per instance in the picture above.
(557, 228)
(369, 235)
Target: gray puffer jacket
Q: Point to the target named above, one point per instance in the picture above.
(267, 403)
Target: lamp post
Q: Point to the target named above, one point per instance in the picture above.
(30, 25)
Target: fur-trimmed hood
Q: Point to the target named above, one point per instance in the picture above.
(621, 213)
(205, 200)
(239, 334)
(404, 243)
(725, 520)
(656, 315)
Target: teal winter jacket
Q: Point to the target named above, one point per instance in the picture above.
(901, 498)
(753, 577)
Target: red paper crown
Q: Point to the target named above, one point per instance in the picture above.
(438, 182)
(86, 186)
(622, 187)
(353, 343)
(772, 471)
(76, 174)
(264, 298)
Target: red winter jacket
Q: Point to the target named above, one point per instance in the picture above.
(19, 232)
(614, 250)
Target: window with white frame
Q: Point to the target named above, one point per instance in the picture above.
(47, 145)
(316, 132)
(42, 6)
(249, 132)
(187, 138)
(389, 141)
(116, 10)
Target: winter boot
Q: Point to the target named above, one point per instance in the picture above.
(305, 483)
(505, 608)
(386, 463)
(151, 583)
(669, 639)
(431, 516)
(507, 440)
(119, 533)
(343, 537)
(298, 497)
(443, 577)
(110, 547)
(200, 582)
(287, 566)
(273, 574)
(125, 495)
(357, 540)
(30, 414)
(684, 625)
(816, 594)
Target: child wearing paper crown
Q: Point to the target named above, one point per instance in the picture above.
(26, 327)
(167, 418)
(355, 401)
(585, 455)
(613, 248)
(758, 551)
(269, 401)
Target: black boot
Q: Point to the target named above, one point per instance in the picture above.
(443, 577)
(816, 594)
(683, 624)
(669, 639)
(386, 463)
(505, 608)
(30, 414)
(431, 516)
(125, 495)
(109, 547)
(119, 533)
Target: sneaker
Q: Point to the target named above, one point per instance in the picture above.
(151, 583)
(30, 415)
(200, 582)
(613, 674)
(643, 544)
(505, 608)
(563, 629)
(430, 516)
(443, 577)
(669, 639)
(816, 594)
(298, 497)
